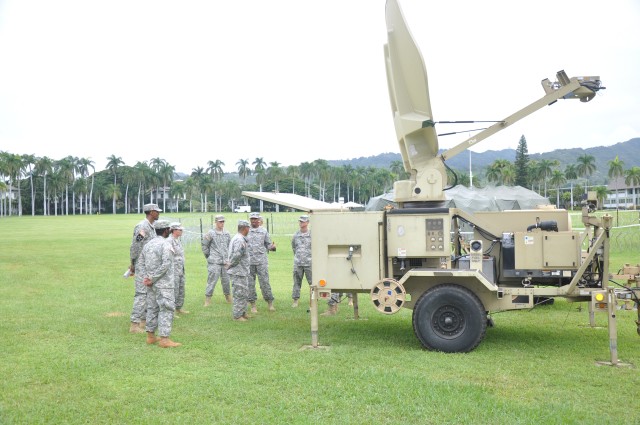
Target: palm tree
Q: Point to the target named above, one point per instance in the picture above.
(586, 167)
(177, 191)
(616, 170)
(259, 165)
(276, 174)
(141, 172)
(113, 162)
(292, 171)
(243, 169)
(501, 170)
(84, 164)
(557, 179)
(27, 162)
(571, 173)
(14, 167)
(545, 169)
(166, 173)
(68, 166)
(113, 190)
(632, 179)
(347, 173)
(43, 167)
(509, 175)
(58, 182)
(4, 173)
(601, 194)
(306, 170)
(397, 168)
(215, 169)
(323, 172)
(198, 174)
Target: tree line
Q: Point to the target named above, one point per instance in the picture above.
(71, 185)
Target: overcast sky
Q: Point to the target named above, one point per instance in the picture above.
(293, 81)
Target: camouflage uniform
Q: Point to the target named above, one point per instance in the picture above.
(157, 263)
(301, 245)
(238, 261)
(215, 246)
(142, 234)
(259, 244)
(178, 265)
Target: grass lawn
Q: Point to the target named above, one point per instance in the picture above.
(67, 355)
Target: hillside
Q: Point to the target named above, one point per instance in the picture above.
(628, 151)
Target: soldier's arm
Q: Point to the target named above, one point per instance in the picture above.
(235, 254)
(268, 243)
(167, 258)
(206, 245)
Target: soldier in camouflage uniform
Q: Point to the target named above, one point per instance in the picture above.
(259, 244)
(174, 238)
(142, 234)
(301, 246)
(156, 265)
(237, 266)
(215, 246)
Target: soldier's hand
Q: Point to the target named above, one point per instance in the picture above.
(147, 281)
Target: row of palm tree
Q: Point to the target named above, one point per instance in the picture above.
(71, 184)
(545, 172)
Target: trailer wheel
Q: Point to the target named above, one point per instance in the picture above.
(449, 318)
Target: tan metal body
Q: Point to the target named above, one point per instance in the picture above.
(418, 257)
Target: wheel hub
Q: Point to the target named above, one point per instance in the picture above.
(448, 321)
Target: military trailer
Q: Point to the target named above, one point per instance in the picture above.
(417, 255)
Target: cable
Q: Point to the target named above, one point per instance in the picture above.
(632, 291)
(455, 176)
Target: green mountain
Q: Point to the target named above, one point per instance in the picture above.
(628, 151)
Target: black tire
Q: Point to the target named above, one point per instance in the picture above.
(449, 318)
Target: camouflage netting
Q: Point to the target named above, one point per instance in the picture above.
(493, 198)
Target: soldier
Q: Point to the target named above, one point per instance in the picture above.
(259, 244)
(215, 246)
(157, 268)
(301, 245)
(237, 266)
(178, 250)
(142, 234)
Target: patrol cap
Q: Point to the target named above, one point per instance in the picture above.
(254, 215)
(176, 226)
(161, 224)
(219, 218)
(243, 223)
(151, 207)
(304, 218)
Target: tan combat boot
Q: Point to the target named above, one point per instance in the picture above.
(207, 301)
(152, 338)
(271, 307)
(135, 328)
(241, 319)
(247, 316)
(295, 304)
(165, 342)
(227, 297)
(254, 309)
(333, 309)
(181, 311)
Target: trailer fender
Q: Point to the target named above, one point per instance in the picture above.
(417, 281)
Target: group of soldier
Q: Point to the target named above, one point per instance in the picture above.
(157, 262)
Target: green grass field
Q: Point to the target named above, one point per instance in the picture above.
(67, 355)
